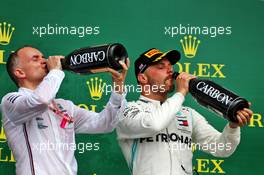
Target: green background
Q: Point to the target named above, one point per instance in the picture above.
(140, 25)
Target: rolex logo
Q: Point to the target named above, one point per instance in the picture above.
(2, 135)
(190, 45)
(96, 88)
(6, 32)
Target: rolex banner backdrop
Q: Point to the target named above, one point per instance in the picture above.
(220, 40)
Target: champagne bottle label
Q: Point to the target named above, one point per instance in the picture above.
(215, 92)
(216, 98)
(89, 58)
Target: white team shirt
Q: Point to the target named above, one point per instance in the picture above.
(157, 138)
(29, 123)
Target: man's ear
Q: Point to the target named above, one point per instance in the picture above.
(19, 73)
(142, 78)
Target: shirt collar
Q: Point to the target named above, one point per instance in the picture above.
(146, 99)
(25, 90)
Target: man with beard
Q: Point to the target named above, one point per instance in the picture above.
(40, 129)
(156, 132)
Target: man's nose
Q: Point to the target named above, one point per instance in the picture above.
(43, 61)
(170, 69)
